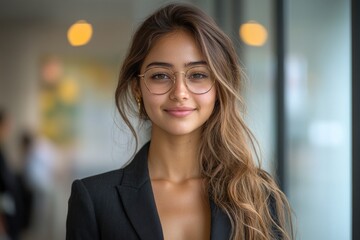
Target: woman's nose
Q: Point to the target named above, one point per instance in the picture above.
(179, 90)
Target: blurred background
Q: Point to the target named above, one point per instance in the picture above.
(59, 63)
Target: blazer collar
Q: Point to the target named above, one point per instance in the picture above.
(139, 203)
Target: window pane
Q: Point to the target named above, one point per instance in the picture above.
(258, 60)
(318, 115)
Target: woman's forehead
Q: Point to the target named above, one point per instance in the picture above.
(177, 48)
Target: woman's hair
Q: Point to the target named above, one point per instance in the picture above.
(248, 195)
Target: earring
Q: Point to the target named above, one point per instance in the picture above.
(138, 101)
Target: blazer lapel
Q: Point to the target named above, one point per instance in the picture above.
(137, 197)
(220, 223)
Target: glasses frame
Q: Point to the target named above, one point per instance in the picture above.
(174, 79)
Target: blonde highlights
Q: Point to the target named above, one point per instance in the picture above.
(255, 205)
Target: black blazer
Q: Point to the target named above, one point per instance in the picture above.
(120, 205)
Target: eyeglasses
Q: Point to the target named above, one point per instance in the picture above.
(160, 80)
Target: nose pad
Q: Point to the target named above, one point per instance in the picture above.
(179, 80)
(180, 89)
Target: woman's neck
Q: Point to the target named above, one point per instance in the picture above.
(174, 158)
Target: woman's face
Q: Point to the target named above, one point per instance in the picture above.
(179, 111)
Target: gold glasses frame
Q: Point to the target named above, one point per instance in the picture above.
(173, 78)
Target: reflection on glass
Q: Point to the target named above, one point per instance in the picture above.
(318, 116)
(259, 93)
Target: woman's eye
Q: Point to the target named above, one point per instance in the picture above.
(160, 76)
(198, 76)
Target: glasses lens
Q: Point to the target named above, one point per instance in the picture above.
(199, 80)
(158, 80)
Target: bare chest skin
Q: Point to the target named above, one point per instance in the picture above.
(183, 209)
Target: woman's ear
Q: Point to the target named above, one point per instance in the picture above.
(136, 91)
(135, 88)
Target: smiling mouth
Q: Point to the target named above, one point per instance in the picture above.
(180, 112)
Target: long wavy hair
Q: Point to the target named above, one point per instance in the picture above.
(256, 206)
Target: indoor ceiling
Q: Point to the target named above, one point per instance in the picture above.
(56, 10)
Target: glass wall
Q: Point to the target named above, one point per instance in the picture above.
(318, 103)
(250, 25)
(258, 60)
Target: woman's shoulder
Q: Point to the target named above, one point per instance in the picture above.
(96, 187)
(107, 178)
(268, 182)
(278, 205)
(135, 171)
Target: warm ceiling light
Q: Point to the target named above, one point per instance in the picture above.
(253, 33)
(80, 33)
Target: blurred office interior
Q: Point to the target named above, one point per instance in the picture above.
(59, 92)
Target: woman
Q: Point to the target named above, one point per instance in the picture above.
(197, 177)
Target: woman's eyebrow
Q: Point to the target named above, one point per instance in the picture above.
(169, 65)
(190, 64)
(161, 64)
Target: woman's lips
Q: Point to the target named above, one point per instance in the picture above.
(180, 112)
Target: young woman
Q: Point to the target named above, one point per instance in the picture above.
(197, 177)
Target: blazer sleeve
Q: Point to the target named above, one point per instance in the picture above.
(81, 220)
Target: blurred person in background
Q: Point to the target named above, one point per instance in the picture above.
(10, 196)
(197, 178)
(39, 171)
(26, 145)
